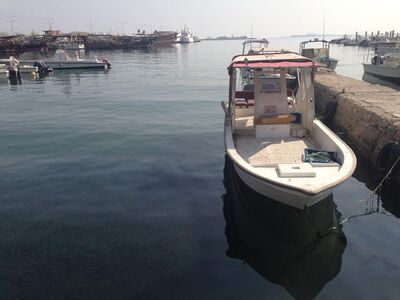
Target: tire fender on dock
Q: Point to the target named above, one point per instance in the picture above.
(387, 157)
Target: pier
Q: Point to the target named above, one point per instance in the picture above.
(369, 114)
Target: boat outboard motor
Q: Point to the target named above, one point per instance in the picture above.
(108, 65)
(42, 67)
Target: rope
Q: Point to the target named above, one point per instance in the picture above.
(374, 192)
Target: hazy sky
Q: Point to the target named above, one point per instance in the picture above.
(268, 18)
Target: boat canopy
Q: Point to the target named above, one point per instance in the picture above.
(324, 42)
(272, 60)
(278, 64)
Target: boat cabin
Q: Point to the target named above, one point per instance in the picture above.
(272, 95)
(315, 49)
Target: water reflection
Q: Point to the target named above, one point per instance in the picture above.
(300, 250)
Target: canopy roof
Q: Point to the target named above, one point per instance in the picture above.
(256, 41)
(272, 59)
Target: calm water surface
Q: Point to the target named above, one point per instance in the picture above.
(112, 185)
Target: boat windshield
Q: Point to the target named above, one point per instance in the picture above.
(255, 46)
(269, 78)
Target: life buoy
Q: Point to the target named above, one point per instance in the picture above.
(387, 157)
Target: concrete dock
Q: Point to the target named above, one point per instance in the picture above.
(368, 113)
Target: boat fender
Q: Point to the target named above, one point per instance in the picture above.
(387, 157)
(330, 111)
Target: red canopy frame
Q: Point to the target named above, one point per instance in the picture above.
(277, 64)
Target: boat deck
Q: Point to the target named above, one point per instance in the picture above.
(270, 153)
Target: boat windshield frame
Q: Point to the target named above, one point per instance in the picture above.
(325, 44)
(260, 42)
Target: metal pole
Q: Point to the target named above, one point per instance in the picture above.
(122, 26)
(11, 19)
(49, 22)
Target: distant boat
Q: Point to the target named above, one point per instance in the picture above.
(62, 60)
(140, 41)
(319, 52)
(185, 36)
(277, 146)
(385, 63)
(65, 43)
(163, 38)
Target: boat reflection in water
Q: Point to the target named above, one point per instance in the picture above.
(298, 249)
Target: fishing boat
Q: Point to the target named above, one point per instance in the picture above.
(254, 46)
(385, 63)
(277, 146)
(163, 38)
(62, 60)
(319, 51)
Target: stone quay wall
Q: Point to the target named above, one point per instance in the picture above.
(368, 113)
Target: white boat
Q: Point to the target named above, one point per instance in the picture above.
(185, 37)
(255, 46)
(65, 43)
(3, 71)
(28, 69)
(62, 60)
(277, 146)
(71, 45)
(318, 51)
(385, 63)
(12, 65)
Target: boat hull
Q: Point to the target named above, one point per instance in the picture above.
(293, 195)
(383, 71)
(282, 194)
(57, 65)
(332, 63)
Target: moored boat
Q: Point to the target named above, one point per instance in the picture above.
(163, 38)
(62, 60)
(385, 63)
(184, 37)
(277, 146)
(318, 53)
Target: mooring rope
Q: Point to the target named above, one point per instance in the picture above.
(374, 192)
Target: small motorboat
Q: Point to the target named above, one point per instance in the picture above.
(62, 60)
(277, 146)
(318, 53)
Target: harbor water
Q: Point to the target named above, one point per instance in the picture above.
(114, 185)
